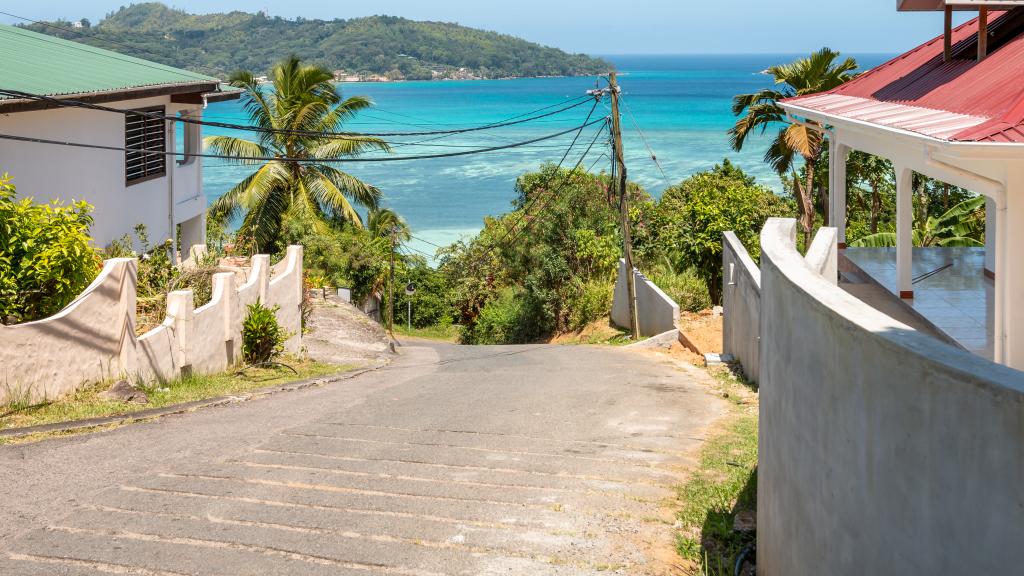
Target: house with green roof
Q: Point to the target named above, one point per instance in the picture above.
(127, 169)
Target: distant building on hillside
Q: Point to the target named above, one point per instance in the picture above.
(127, 188)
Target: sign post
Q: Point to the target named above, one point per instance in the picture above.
(410, 289)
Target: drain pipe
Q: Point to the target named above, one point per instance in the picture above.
(997, 191)
(170, 167)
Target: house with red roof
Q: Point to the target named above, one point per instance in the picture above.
(951, 109)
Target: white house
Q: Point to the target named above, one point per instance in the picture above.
(126, 188)
(951, 109)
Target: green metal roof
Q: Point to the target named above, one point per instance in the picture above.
(41, 64)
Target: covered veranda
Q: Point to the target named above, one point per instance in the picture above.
(942, 112)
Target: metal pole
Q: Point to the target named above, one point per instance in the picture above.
(409, 302)
(627, 240)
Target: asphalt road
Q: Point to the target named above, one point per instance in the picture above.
(452, 460)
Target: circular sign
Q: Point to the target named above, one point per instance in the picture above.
(410, 289)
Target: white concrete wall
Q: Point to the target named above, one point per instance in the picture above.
(93, 338)
(656, 312)
(881, 450)
(741, 302)
(46, 171)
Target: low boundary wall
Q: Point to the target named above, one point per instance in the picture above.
(93, 338)
(656, 312)
(881, 449)
(741, 305)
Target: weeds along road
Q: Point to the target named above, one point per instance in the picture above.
(451, 460)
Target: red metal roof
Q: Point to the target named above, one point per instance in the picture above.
(982, 101)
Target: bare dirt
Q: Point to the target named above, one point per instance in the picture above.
(701, 329)
(338, 333)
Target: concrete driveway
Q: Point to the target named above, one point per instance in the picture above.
(452, 460)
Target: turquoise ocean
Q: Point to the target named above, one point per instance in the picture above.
(681, 104)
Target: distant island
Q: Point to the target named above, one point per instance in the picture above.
(372, 48)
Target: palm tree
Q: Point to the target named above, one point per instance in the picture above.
(760, 111)
(382, 222)
(961, 225)
(301, 103)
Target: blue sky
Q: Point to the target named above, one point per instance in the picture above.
(606, 26)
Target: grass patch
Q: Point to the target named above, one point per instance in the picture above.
(444, 333)
(86, 402)
(724, 484)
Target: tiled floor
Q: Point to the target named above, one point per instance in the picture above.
(957, 300)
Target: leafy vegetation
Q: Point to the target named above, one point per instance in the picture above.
(961, 225)
(219, 44)
(723, 486)
(157, 276)
(761, 111)
(46, 259)
(262, 337)
(304, 103)
(514, 283)
(685, 226)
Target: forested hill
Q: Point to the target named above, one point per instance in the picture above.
(398, 48)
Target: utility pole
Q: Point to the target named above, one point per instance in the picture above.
(391, 284)
(627, 238)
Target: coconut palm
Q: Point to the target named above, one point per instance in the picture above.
(303, 184)
(383, 222)
(961, 225)
(760, 111)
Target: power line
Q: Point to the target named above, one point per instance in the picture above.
(244, 127)
(643, 138)
(305, 160)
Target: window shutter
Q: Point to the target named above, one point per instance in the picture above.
(144, 133)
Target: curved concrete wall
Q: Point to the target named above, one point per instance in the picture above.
(741, 305)
(93, 338)
(882, 450)
(656, 312)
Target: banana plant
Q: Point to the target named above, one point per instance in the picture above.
(961, 225)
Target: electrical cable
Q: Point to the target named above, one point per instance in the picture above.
(243, 127)
(254, 159)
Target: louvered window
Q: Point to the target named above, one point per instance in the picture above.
(144, 133)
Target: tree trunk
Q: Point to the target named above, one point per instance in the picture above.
(876, 206)
(807, 201)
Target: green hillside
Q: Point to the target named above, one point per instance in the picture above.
(218, 44)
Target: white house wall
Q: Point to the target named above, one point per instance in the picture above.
(44, 171)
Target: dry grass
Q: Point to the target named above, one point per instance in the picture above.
(86, 402)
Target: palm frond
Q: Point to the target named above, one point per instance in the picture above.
(232, 146)
(354, 188)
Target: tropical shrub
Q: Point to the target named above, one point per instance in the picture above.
(430, 303)
(46, 257)
(157, 276)
(262, 337)
(687, 288)
(687, 223)
(558, 249)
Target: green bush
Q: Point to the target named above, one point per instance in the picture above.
(593, 301)
(687, 288)
(46, 257)
(262, 337)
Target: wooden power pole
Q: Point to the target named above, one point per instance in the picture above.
(391, 284)
(627, 239)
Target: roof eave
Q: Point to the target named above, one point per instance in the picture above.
(961, 148)
(12, 105)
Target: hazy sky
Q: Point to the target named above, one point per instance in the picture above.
(604, 26)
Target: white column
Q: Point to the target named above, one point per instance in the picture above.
(904, 231)
(990, 236)
(837, 154)
(1010, 272)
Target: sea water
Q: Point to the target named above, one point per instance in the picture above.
(677, 108)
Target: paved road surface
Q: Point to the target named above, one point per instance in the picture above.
(453, 460)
